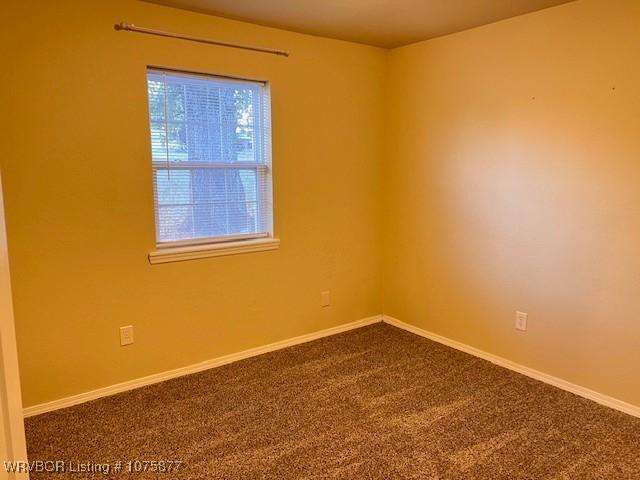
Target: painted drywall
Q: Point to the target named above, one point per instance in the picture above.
(78, 185)
(512, 183)
(499, 165)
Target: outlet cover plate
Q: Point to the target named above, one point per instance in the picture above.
(521, 321)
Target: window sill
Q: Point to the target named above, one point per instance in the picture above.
(194, 252)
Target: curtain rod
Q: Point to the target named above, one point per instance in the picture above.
(129, 27)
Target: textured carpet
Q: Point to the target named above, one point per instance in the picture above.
(372, 403)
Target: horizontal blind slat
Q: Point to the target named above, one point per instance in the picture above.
(204, 166)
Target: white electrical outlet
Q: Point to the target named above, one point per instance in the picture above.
(325, 298)
(521, 321)
(126, 335)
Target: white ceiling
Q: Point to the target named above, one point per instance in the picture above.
(384, 23)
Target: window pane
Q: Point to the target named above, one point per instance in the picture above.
(223, 201)
(195, 121)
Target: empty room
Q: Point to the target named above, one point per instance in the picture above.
(340, 239)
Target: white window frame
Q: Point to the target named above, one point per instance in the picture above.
(204, 247)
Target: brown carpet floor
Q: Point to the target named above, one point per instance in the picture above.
(372, 403)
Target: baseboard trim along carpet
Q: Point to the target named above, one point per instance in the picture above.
(600, 398)
(189, 369)
(216, 362)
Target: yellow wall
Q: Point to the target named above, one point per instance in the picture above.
(494, 170)
(513, 183)
(77, 178)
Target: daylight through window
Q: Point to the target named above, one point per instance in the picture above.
(211, 156)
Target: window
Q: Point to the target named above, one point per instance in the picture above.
(211, 159)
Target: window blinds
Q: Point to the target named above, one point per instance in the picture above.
(211, 156)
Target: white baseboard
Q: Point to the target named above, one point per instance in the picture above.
(198, 367)
(529, 372)
(216, 362)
